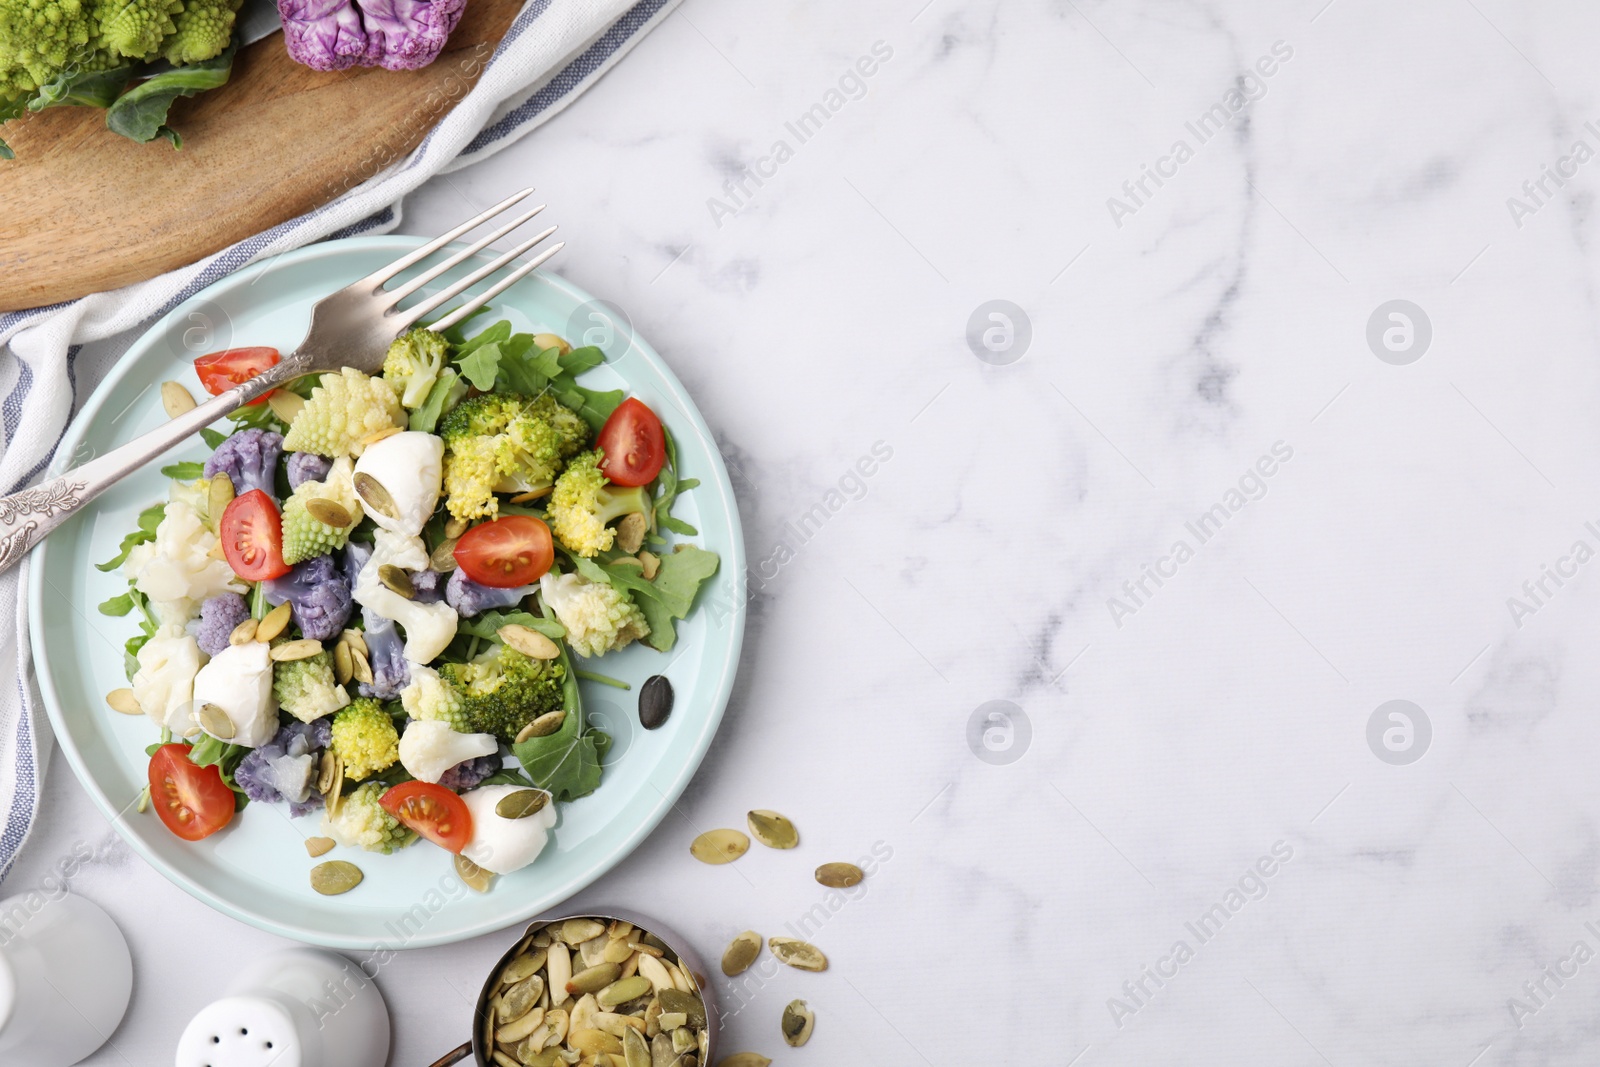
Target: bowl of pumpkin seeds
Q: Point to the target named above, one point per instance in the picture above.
(594, 990)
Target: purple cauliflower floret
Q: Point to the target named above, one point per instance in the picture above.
(286, 767)
(319, 597)
(428, 586)
(386, 653)
(306, 467)
(470, 598)
(219, 615)
(397, 34)
(250, 459)
(467, 775)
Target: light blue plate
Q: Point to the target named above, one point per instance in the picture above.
(257, 869)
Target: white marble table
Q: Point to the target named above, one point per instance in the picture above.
(1192, 852)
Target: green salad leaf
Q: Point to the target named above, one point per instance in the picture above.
(679, 578)
(187, 471)
(212, 438)
(567, 762)
(444, 395)
(481, 365)
(149, 519)
(488, 624)
(141, 113)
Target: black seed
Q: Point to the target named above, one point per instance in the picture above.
(655, 702)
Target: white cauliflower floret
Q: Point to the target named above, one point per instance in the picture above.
(598, 617)
(429, 748)
(409, 466)
(428, 627)
(164, 682)
(176, 571)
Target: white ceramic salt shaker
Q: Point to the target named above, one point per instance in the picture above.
(299, 1007)
(65, 977)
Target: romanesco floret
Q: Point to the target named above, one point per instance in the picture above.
(305, 535)
(502, 690)
(413, 364)
(305, 687)
(344, 410)
(201, 30)
(38, 38)
(583, 502)
(427, 696)
(502, 443)
(135, 28)
(363, 823)
(364, 737)
(598, 617)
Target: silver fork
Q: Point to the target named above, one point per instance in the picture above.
(349, 328)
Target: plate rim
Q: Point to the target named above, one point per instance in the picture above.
(681, 776)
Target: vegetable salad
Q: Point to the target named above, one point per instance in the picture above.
(376, 588)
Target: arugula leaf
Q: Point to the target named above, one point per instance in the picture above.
(303, 385)
(445, 394)
(603, 679)
(187, 471)
(620, 576)
(567, 762)
(149, 519)
(595, 405)
(668, 488)
(211, 437)
(481, 365)
(489, 335)
(118, 605)
(508, 776)
(141, 112)
(677, 581)
(582, 359)
(524, 369)
(259, 417)
(488, 624)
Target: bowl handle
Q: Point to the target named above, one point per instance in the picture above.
(454, 1056)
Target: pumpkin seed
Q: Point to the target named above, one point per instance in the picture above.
(219, 496)
(622, 991)
(515, 1031)
(593, 979)
(543, 726)
(557, 1021)
(740, 953)
(683, 1040)
(529, 962)
(476, 878)
(286, 405)
(176, 399)
(797, 953)
(330, 775)
(375, 496)
(380, 435)
(522, 803)
(519, 1000)
(616, 951)
(289, 651)
(319, 846)
(672, 1020)
(122, 700)
(593, 1042)
(397, 580)
(343, 665)
(215, 721)
(335, 877)
(532, 494)
(661, 1054)
(559, 967)
(653, 971)
(634, 1050)
(839, 875)
(655, 701)
(651, 563)
(705, 1047)
(719, 846)
(455, 527)
(619, 930)
(772, 829)
(744, 1059)
(542, 341)
(273, 622)
(244, 633)
(528, 641)
(443, 558)
(797, 1023)
(676, 1000)
(502, 1060)
(328, 512)
(630, 533)
(549, 1057)
(577, 931)
(356, 640)
(360, 666)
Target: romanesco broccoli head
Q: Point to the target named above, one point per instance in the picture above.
(413, 363)
(363, 823)
(344, 410)
(599, 618)
(364, 737)
(40, 38)
(583, 502)
(304, 534)
(202, 30)
(428, 696)
(502, 443)
(305, 688)
(135, 28)
(502, 690)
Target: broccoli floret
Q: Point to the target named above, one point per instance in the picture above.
(583, 502)
(306, 467)
(599, 618)
(250, 460)
(201, 30)
(344, 410)
(363, 823)
(413, 364)
(220, 615)
(305, 687)
(428, 696)
(135, 28)
(572, 433)
(304, 535)
(387, 656)
(502, 690)
(364, 737)
(318, 594)
(502, 443)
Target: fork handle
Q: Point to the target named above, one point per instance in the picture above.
(28, 515)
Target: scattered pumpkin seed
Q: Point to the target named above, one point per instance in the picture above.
(798, 1021)
(356, 640)
(630, 533)
(304, 648)
(379, 435)
(542, 341)
(521, 804)
(334, 877)
(744, 1059)
(219, 496)
(650, 563)
(398, 580)
(343, 665)
(543, 726)
(719, 846)
(215, 721)
(455, 527)
(476, 878)
(655, 701)
(740, 953)
(443, 558)
(328, 512)
(244, 633)
(375, 496)
(176, 399)
(593, 979)
(318, 846)
(144, 801)
(839, 875)
(622, 991)
(122, 701)
(360, 666)
(772, 829)
(532, 494)
(286, 405)
(528, 641)
(330, 775)
(273, 622)
(797, 953)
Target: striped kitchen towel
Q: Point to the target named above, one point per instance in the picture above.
(554, 50)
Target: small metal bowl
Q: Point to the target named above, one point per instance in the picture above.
(481, 1053)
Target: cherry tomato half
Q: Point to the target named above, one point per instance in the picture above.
(193, 802)
(634, 444)
(221, 371)
(251, 533)
(508, 552)
(432, 811)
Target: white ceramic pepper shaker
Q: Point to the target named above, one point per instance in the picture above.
(299, 1007)
(65, 977)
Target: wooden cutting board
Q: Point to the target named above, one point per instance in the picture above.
(83, 210)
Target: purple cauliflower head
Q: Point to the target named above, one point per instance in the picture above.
(397, 34)
(467, 775)
(219, 616)
(286, 767)
(470, 598)
(427, 586)
(250, 459)
(319, 596)
(386, 654)
(306, 467)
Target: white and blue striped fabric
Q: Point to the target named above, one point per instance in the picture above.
(553, 51)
